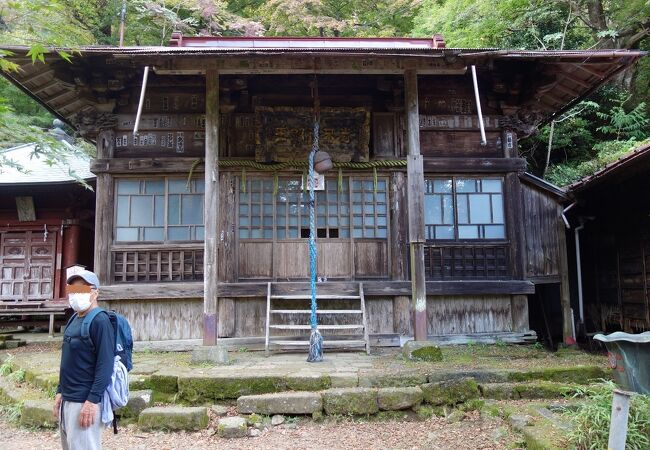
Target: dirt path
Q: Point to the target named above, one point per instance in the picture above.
(472, 433)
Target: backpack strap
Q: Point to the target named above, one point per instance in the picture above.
(70, 320)
(88, 318)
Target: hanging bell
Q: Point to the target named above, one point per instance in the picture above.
(322, 162)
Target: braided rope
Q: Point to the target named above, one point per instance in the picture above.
(303, 164)
(312, 228)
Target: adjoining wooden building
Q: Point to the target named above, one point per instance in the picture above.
(611, 218)
(434, 231)
(46, 224)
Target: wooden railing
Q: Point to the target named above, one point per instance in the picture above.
(467, 261)
(144, 263)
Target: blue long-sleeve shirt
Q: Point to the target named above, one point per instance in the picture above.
(84, 374)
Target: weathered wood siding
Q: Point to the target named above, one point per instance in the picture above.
(541, 215)
(472, 314)
(156, 320)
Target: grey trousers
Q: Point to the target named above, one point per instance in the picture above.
(73, 437)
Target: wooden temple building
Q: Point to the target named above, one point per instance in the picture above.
(46, 224)
(427, 225)
(609, 212)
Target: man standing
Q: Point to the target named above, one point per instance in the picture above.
(86, 368)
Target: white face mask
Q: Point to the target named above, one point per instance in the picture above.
(79, 302)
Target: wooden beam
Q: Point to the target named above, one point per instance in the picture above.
(589, 70)
(241, 291)
(415, 173)
(471, 165)
(147, 165)
(184, 164)
(211, 209)
(53, 82)
(572, 77)
(104, 211)
(300, 64)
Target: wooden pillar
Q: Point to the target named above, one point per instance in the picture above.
(227, 253)
(211, 208)
(105, 197)
(402, 320)
(565, 293)
(70, 252)
(415, 173)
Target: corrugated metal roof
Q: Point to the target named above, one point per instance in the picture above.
(39, 170)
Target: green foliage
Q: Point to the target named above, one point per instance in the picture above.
(530, 24)
(592, 419)
(17, 376)
(12, 412)
(606, 153)
(631, 124)
(7, 366)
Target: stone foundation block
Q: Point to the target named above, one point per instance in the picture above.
(450, 392)
(38, 414)
(351, 401)
(232, 427)
(210, 354)
(197, 388)
(398, 379)
(280, 403)
(138, 402)
(174, 418)
(393, 399)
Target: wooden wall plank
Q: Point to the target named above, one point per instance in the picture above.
(255, 260)
(162, 319)
(462, 315)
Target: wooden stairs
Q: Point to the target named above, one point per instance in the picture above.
(295, 309)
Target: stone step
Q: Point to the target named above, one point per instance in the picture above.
(138, 402)
(394, 399)
(350, 401)
(174, 418)
(6, 337)
(38, 414)
(280, 403)
(530, 390)
(13, 343)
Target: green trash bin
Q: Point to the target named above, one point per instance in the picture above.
(629, 357)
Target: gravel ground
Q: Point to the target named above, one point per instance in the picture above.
(433, 434)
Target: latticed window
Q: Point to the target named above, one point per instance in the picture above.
(464, 208)
(339, 213)
(159, 210)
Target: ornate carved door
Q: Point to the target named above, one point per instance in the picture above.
(27, 264)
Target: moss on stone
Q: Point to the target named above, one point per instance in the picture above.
(139, 382)
(399, 398)
(167, 384)
(196, 389)
(425, 412)
(543, 435)
(395, 379)
(352, 401)
(430, 353)
(541, 389)
(576, 374)
(308, 383)
(191, 419)
(450, 392)
(530, 390)
(37, 414)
